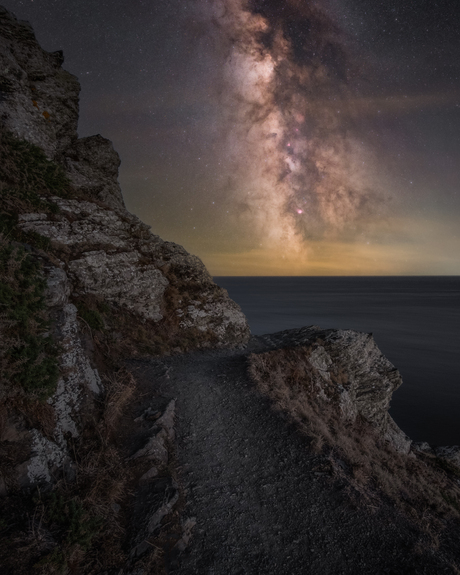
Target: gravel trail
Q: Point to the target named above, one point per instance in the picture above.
(261, 502)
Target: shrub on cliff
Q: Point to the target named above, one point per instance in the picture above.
(27, 181)
(28, 355)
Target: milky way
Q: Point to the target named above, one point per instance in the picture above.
(273, 137)
(298, 171)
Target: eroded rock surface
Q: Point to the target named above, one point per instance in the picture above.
(92, 165)
(110, 252)
(38, 99)
(368, 378)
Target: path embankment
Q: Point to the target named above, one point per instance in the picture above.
(262, 500)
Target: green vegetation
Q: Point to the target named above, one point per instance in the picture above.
(91, 316)
(28, 356)
(71, 525)
(27, 181)
(26, 168)
(76, 525)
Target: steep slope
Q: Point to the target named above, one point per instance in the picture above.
(83, 284)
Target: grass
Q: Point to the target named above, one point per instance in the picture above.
(28, 181)
(28, 355)
(374, 471)
(25, 168)
(73, 527)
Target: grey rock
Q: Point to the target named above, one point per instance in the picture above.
(188, 523)
(57, 288)
(154, 450)
(148, 475)
(451, 454)
(371, 378)
(396, 436)
(39, 102)
(92, 165)
(121, 279)
(47, 457)
(38, 99)
(162, 496)
(166, 421)
(423, 447)
(73, 400)
(84, 226)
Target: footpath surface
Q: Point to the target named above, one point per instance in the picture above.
(261, 500)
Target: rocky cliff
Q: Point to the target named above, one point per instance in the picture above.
(62, 203)
(84, 285)
(341, 372)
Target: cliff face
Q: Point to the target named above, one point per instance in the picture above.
(103, 245)
(84, 284)
(100, 262)
(341, 373)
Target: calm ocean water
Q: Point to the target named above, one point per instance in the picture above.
(415, 322)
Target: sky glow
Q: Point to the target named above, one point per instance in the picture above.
(277, 137)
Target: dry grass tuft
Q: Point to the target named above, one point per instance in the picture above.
(78, 526)
(120, 387)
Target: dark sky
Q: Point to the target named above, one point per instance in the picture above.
(277, 136)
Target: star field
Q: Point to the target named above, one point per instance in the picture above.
(277, 137)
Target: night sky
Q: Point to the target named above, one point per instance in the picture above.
(277, 137)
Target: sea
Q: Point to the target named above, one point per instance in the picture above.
(414, 320)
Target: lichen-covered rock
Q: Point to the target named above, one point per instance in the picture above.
(38, 99)
(117, 258)
(85, 226)
(72, 403)
(72, 394)
(122, 279)
(47, 458)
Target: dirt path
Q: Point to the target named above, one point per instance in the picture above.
(261, 502)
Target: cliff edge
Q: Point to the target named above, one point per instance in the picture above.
(96, 314)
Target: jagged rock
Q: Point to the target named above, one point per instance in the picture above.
(155, 447)
(128, 265)
(148, 475)
(58, 288)
(38, 99)
(451, 454)
(47, 458)
(154, 450)
(166, 421)
(351, 370)
(92, 165)
(133, 276)
(187, 526)
(423, 446)
(158, 502)
(122, 279)
(73, 400)
(85, 226)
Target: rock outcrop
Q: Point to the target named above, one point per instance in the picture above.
(109, 251)
(346, 369)
(38, 99)
(95, 248)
